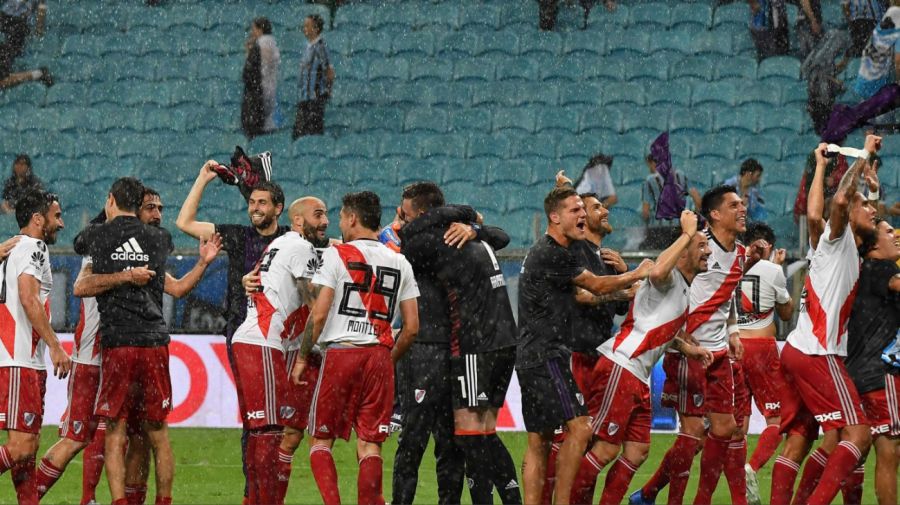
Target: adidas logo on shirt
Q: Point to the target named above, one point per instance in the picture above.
(130, 251)
(482, 397)
(716, 266)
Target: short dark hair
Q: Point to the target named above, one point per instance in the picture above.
(148, 191)
(318, 22)
(713, 198)
(590, 195)
(750, 165)
(128, 193)
(556, 196)
(263, 24)
(425, 195)
(275, 192)
(23, 158)
(34, 201)
(758, 230)
(367, 207)
(869, 240)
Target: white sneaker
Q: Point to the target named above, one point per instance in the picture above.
(752, 486)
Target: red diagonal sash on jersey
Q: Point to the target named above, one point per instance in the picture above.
(626, 328)
(264, 311)
(371, 300)
(746, 304)
(295, 323)
(79, 328)
(816, 313)
(8, 330)
(846, 308)
(705, 311)
(660, 335)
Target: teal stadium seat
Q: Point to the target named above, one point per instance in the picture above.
(561, 70)
(736, 67)
(480, 17)
(626, 42)
(555, 120)
(719, 147)
(477, 120)
(596, 120)
(540, 44)
(397, 71)
(402, 147)
(519, 16)
(580, 94)
(482, 146)
(355, 17)
(584, 44)
(692, 67)
(500, 43)
(413, 44)
(442, 147)
(394, 18)
(444, 16)
(473, 71)
(758, 93)
(419, 170)
(759, 145)
(790, 120)
(541, 146)
(517, 69)
(740, 121)
(601, 19)
(650, 16)
(714, 92)
(780, 69)
(430, 70)
(672, 93)
(457, 45)
(645, 121)
(732, 17)
(514, 121)
(461, 173)
(652, 70)
(426, 121)
(371, 44)
(694, 15)
(448, 95)
(794, 94)
(624, 93)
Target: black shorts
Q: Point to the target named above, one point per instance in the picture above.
(550, 397)
(481, 380)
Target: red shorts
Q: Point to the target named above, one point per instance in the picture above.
(355, 390)
(298, 398)
(762, 375)
(882, 407)
(135, 383)
(619, 404)
(22, 393)
(78, 422)
(261, 383)
(693, 391)
(819, 393)
(741, 393)
(583, 371)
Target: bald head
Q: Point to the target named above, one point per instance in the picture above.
(309, 217)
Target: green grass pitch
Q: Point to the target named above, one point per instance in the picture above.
(208, 471)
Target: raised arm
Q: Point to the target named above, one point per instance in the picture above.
(662, 270)
(607, 284)
(208, 251)
(840, 204)
(187, 216)
(815, 203)
(29, 295)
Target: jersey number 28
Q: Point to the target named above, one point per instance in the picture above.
(387, 282)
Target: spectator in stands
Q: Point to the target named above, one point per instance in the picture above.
(652, 188)
(15, 16)
(548, 10)
(880, 59)
(808, 27)
(747, 185)
(316, 80)
(595, 178)
(769, 28)
(21, 181)
(862, 17)
(259, 107)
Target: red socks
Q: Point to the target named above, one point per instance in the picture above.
(712, 461)
(23, 477)
(676, 463)
(163, 500)
(550, 476)
(135, 495)
(6, 461)
(120, 501)
(735, 473)
(768, 443)
(46, 476)
(841, 464)
(368, 482)
(815, 463)
(586, 479)
(285, 460)
(784, 473)
(322, 465)
(853, 487)
(617, 480)
(93, 465)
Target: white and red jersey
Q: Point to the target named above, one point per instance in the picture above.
(761, 288)
(712, 293)
(654, 318)
(369, 282)
(21, 345)
(276, 315)
(87, 346)
(828, 295)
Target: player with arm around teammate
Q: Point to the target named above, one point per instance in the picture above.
(363, 283)
(619, 400)
(26, 335)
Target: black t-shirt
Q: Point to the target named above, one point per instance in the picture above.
(873, 325)
(243, 245)
(130, 315)
(480, 314)
(545, 303)
(592, 324)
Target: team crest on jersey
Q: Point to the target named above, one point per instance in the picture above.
(29, 418)
(77, 426)
(287, 412)
(580, 398)
(698, 399)
(420, 395)
(612, 429)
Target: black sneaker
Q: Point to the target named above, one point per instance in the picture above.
(226, 174)
(46, 77)
(250, 170)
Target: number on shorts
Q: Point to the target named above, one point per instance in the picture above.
(387, 282)
(462, 385)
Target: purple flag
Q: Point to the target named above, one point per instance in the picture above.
(671, 199)
(844, 119)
